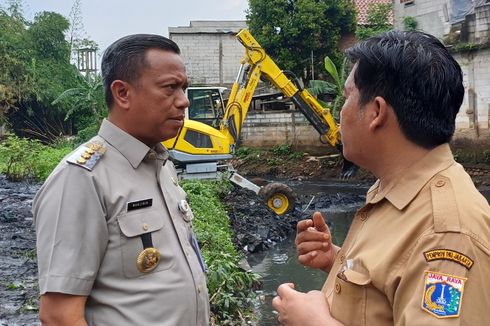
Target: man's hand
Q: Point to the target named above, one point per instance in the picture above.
(314, 243)
(302, 309)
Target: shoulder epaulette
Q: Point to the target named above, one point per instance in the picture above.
(444, 205)
(87, 155)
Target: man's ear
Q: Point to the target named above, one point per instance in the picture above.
(379, 113)
(120, 92)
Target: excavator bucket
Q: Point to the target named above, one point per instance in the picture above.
(349, 169)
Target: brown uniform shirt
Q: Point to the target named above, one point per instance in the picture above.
(90, 223)
(418, 253)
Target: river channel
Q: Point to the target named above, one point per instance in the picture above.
(279, 264)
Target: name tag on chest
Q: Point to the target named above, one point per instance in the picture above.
(140, 204)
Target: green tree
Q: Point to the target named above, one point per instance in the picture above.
(320, 88)
(294, 31)
(13, 59)
(34, 70)
(378, 21)
(86, 102)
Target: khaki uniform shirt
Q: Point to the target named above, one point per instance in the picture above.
(89, 223)
(418, 252)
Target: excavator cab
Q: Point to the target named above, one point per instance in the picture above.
(206, 105)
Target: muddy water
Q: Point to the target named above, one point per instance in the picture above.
(338, 203)
(18, 268)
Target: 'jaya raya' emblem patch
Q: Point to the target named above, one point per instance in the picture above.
(443, 294)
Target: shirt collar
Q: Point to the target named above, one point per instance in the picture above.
(403, 189)
(131, 148)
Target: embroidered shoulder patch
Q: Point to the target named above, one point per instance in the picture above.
(447, 254)
(443, 294)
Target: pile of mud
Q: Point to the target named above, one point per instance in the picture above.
(258, 228)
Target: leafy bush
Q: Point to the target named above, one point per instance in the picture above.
(296, 155)
(48, 158)
(248, 153)
(282, 149)
(229, 286)
(243, 152)
(22, 158)
(410, 23)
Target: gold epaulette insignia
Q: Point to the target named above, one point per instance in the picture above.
(87, 155)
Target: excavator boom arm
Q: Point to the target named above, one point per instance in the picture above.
(256, 64)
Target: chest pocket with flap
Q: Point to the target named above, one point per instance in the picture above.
(132, 226)
(350, 296)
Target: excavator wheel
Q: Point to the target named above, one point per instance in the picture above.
(279, 197)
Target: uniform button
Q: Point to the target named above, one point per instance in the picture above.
(440, 183)
(337, 288)
(342, 258)
(145, 227)
(363, 216)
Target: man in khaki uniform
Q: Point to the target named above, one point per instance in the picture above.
(115, 241)
(418, 252)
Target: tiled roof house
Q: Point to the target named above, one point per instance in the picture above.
(362, 7)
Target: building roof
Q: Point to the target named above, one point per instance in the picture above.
(362, 7)
(210, 26)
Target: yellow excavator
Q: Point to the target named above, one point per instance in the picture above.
(199, 150)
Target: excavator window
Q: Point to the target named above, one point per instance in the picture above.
(198, 139)
(205, 106)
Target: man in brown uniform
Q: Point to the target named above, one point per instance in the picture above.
(418, 252)
(114, 235)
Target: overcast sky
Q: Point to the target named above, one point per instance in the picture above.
(107, 20)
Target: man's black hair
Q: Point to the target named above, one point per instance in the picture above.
(417, 76)
(125, 59)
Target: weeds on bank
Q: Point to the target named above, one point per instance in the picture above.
(230, 287)
(22, 158)
(248, 154)
(274, 157)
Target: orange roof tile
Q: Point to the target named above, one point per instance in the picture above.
(362, 7)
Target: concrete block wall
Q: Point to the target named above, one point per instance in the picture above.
(200, 53)
(431, 15)
(233, 52)
(268, 129)
(482, 24)
(210, 51)
(476, 74)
